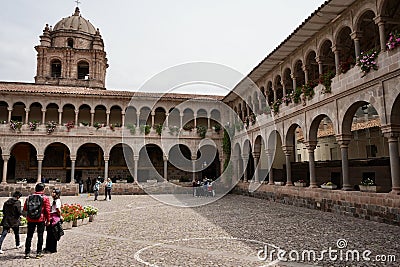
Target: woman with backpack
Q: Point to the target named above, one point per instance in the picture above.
(53, 229)
(11, 219)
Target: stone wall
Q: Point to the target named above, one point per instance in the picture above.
(6, 190)
(379, 207)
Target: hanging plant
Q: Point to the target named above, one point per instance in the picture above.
(159, 129)
(145, 129)
(132, 128)
(97, 125)
(326, 80)
(15, 125)
(393, 41)
(217, 128)
(173, 130)
(51, 126)
(33, 125)
(69, 125)
(275, 106)
(367, 61)
(201, 131)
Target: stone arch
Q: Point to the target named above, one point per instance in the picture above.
(270, 93)
(202, 118)
(23, 162)
(159, 116)
(56, 160)
(208, 158)
(55, 68)
(3, 111)
(312, 66)
(121, 162)
(35, 112)
(83, 69)
(327, 57)
(390, 10)
(18, 112)
(298, 72)
(346, 48)
(100, 114)
(188, 119)
(51, 112)
(369, 31)
(288, 81)
(90, 155)
(84, 116)
(278, 87)
(151, 163)
(68, 113)
(131, 116)
(174, 118)
(116, 115)
(180, 163)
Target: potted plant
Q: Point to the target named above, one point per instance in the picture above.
(84, 123)
(217, 128)
(393, 41)
(33, 125)
(159, 129)
(300, 183)
(201, 131)
(97, 125)
(367, 61)
(91, 212)
(132, 128)
(68, 214)
(16, 125)
(368, 185)
(329, 185)
(173, 130)
(145, 129)
(279, 183)
(112, 127)
(51, 126)
(69, 125)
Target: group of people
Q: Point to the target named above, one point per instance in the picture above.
(40, 215)
(107, 188)
(203, 188)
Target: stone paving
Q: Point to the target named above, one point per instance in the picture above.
(233, 231)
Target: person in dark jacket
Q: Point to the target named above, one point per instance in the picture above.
(11, 219)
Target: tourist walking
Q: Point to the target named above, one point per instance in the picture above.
(11, 219)
(37, 207)
(54, 229)
(96, 188)
(107, 189)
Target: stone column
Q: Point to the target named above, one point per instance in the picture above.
(256, 157)
(343, 142)
(137, 119)
(9, 114)
(165, 167)
(305, 69)
(245, 159)
(234, 160)
(92, 117)
(195, 121)
(76, 117)
(311, 145)
(122, 118)
(39, 173)
(208, 123)
(275, 94)
(283, 88)
(43, 116)
(60, 112)
(194, 158)
(135, 170)
(288, 150)
(5, 165)
(394, 163)
(294, 81)
(381, 25)
(106, 158)
(73, 159)
(166, 120)
(336, 51)
(152, 119)
(270, 158)
(181, 121)
(356, 38)
(107, 118)
(319, 60)
(26, 115)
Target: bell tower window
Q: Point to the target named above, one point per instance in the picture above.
(70, 42)
(83, 70)
(56, 68)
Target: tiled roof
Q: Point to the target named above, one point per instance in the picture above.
(70, 90)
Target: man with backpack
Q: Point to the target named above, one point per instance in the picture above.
(37, 207)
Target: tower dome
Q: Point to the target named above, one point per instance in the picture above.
(75, 23)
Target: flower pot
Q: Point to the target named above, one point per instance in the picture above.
(370, 188)
(279, 183)
(77, 223)
(67, 225)
(91, 218)
(299, 184)
(85, 220)
(330, 187)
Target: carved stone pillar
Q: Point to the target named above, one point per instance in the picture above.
(43, 116)
(165, 158)
(5, 165)
(107, 118)
(73, 159)
(152, 119)
(270, 158)
(356, 38)
(194, 158)
(393, 140)
(381, 25)
(256, 157)
(288, 150)
(39, 173)
(311, 145)
(60, 112)
(92, 117)
(26, 115)
(343, 141)
(9, 114)
(106, 158)
(135, 170)
(76, 117)
(336, 51)
(245, 159)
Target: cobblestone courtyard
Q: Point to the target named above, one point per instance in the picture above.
(233, 231)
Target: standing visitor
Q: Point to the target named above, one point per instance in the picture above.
(88, 184)
(37, 207)
(53, 232)
(80, 185)
(107, 189)
(96, 188)
(11, 218)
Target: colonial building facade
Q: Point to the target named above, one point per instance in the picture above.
(321, 108)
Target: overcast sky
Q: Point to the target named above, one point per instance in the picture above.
(144, 38)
